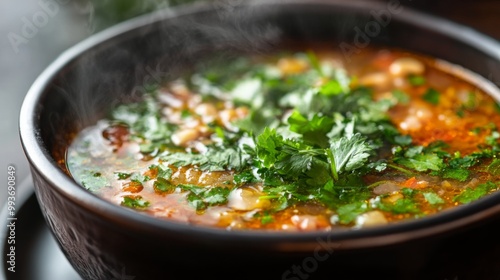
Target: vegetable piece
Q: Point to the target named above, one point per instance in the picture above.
(416, 80)
(433, 198)
(471, 194)
(431, 96)
(202, 197)
(163, 186)
(135, 202)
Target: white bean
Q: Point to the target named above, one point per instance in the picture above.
(247, 199)
(372, 218)
(410, 123)
(291, 65)
(184, 136)
(207, 111)
(305, 222)
(374, 79)
(406, 66)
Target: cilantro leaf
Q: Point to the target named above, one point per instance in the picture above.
(313, 130)
(471, 194)
(244, 177)
(122, 175)
(90, 181)
(159, 171)
(202, 197)
(401, 206)
(138, 177)
(401, 96)
(348, 153)
(431, 96)
(347, 213)
(163, 186)
(403, 140)
(332, 87)
(421, 159)
(135, 202)
(215, 159)
(433, 198)
(146, 123)
(416, 80)
(494, 167)
(457, 174)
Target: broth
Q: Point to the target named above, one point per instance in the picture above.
(297, 141)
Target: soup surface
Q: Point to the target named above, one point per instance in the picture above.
(299, 140)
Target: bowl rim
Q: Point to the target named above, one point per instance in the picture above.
(41, 160)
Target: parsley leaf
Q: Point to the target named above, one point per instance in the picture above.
(431, 96)
(348, 153)
(401, 206)
(471, 194)
(202, 197)
(433, 198)
(122, 175)
(421, 159)
(416, 80)
(135, 202)
(215, 159)
(494, 167)
(313, 130)
(163, 186)
(347, 213)
(457, 174)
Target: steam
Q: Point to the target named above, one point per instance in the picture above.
(121, 69)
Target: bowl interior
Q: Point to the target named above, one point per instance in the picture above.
(116, 65)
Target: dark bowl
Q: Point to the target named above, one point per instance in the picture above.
(106, 241)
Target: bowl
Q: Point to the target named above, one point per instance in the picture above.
(105, 241)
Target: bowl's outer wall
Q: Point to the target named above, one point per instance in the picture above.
(81, 93)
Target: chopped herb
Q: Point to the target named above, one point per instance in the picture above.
(92, 182)
(477, 130)
(433, 198)
(348, 153)
(494, 167)
(135, 202)
(265, 217)
(202, 197)
(471, 194)
(313, 130)
(332, 87)
(309, 135)
(348, 212)
(416, 80)
(163, 186)
(160, 171)
(457, 174)
(401, 96)
(431, 96)
(215, 159)
(185, 114)
(422, 162)
(244, 177)
(401, 206)
(122, 176)
(139, 177)
(403, 140)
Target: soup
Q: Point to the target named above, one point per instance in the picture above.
(300, 140)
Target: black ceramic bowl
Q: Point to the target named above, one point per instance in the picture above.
(106, 241)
